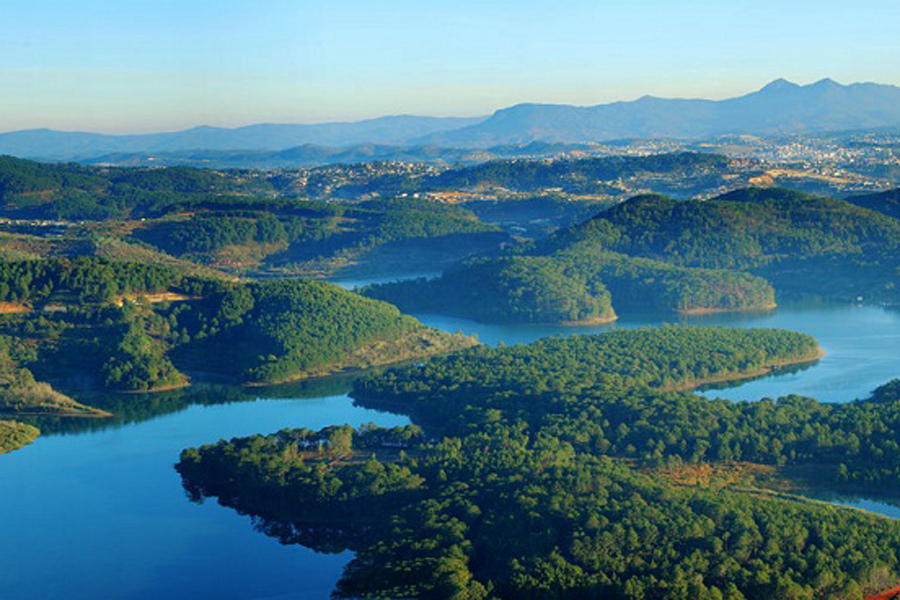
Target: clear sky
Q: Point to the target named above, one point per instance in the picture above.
(151, 65)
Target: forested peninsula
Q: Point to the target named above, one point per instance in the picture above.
(136, 327)
(550, 470)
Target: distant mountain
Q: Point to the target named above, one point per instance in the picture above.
(64, 145)
(781, 107)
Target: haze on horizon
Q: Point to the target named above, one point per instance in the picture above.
(138, 65)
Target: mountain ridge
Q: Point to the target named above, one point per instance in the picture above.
(778, 108)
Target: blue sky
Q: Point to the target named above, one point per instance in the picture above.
(140, 65)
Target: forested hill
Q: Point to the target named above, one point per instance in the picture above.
(580, 285)
(745, 228)
(797, 241)
(654, 253)
(886, 203)
(45, 190)
(134, 327)
(263, 223)
(576, 175)
(662, 358)
(286, 330)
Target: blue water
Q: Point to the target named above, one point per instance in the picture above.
(861, 345)
(101, 513)
(886, 507)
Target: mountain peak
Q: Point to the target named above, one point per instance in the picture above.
(826, 83)
(780, 85)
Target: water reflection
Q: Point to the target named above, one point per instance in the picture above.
(135, 408)
(885, 505)
(351, 282)
(790, 371)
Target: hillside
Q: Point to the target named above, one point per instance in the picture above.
(581, 285)
(585, 176)
(310, 155)
(289, 330)
(34, 190)
(744, 228)
(800, 243)
(656, 254)
(319, 239)
(136, 327)
(209, 223)
(886, 203)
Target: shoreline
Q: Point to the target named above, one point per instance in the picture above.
(584, 322)
(163, 388)
(714, 311)
(95, 413)
(763, 370)
(349, 369)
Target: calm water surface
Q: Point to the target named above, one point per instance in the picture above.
(861, 343)
(100, 513)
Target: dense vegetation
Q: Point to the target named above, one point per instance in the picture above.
(212, 231)
(520, 289)
(282, 330)
(799, 242)
(69, 191)
(137, 361)
(886, 203)
(530, 497)
(579, 284)
(746, 228)
(306, 232)
(585, 176)
(238, 221)
(85, 279)
(658, 358)
(21, 395)
(654, 253)
(129, 325)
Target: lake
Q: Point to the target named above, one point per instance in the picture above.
(861, 344)
(96, 510)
